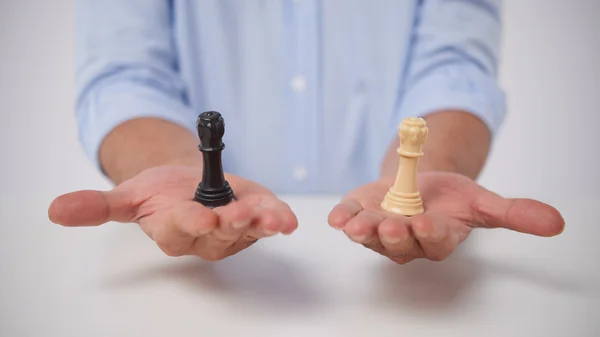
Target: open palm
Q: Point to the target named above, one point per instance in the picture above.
(160, 200)
(454, 205)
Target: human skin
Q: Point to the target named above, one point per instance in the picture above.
(456, 151)
(156, 167)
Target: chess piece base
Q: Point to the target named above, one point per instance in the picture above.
(212, 198)
(408, 204)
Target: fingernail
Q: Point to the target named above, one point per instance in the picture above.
(239, 224)
(360, 238)
(204, 231)
(288, 232)
(337, 226)
(392, 240)
(269, 232)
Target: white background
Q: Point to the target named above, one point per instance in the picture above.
(548, 146)
(548, 149)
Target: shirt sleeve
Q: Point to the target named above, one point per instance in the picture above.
(454, 61)
(126, 68)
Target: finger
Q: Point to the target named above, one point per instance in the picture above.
(362, 228)
(275, 216)
(343, 212)
(521, 215)
(185, 222)
(234, 219)
(267, 223)
(192, 219)
(92, 208)
(237, 247)
(264, 224)
(394, 233)
(434, 234)
(227, 240)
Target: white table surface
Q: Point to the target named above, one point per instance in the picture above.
(113, 281)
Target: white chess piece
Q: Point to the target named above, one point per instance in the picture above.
(404, 196)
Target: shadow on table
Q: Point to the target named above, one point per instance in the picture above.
(260, 278)
(444, 286)
(256, 277)
(426, 285)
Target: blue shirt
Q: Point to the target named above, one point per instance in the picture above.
(311, 91)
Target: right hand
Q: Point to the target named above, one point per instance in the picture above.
(160, 200)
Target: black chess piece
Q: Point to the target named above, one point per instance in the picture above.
(213, 190)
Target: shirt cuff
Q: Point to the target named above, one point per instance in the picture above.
(463, 88)
(106, 108)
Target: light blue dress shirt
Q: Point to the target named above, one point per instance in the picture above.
(312, 91)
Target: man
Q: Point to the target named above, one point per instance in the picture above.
(312, 93)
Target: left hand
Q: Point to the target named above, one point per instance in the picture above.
(454, 205)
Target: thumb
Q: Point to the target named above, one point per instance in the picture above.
(91, 208)
(518, 214)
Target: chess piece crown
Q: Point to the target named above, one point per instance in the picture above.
(211, 128)
(412, 132)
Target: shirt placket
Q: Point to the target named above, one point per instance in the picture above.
(303, 93)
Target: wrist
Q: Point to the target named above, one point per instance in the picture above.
(458, 142)
(193, 160)
(120, 171)
(431, 162)
(437, 163)
(140, 144)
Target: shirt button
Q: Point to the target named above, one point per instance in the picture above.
(300, 173)
(298, 83)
